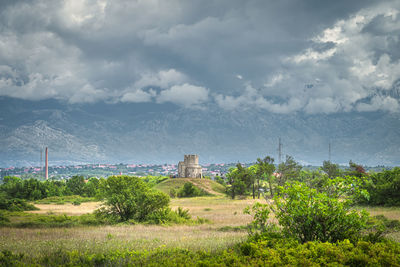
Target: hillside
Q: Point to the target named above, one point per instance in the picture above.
(211, 187)
(125, 133)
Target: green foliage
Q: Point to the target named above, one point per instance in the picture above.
(189, 190)
(355, 170)
(379, 226)
(153, 180)
(173, 193)
(308, 215)
(277, 251)
(260, 223)
(383, 188)
(14, 204)
(289, 170)
(76, 185)
(220, 180)
(91, 188)
(129, 198)
(269, 251)
(331, 169)
(264, 171)
(183, 213)
(239, 181)
(31, 220)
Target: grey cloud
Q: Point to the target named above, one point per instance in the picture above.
(87, 51)
(338, 70)
(187, 95)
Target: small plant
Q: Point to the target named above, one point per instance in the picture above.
(182, 213)
(76, 203)
(172, 193)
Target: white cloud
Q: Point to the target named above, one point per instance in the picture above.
(322, 105)
(138, 96)
(380, 103)
(251, 98)
(187, 95)
(163, 79)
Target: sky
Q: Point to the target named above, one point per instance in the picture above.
(283, 57)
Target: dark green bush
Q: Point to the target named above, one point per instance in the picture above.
(383, 188)
(15, 204)
(189, 190)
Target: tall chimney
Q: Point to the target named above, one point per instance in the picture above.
(47, 164)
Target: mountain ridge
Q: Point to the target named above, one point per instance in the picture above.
(162, 133)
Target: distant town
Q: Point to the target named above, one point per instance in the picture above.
(105, 170)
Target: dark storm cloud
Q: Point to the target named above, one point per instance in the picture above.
(236, 53)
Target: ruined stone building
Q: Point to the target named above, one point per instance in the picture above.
(190, 167)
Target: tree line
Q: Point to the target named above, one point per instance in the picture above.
(265, 178)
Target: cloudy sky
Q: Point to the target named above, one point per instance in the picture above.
(279, 56)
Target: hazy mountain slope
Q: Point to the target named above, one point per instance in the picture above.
(163, 133)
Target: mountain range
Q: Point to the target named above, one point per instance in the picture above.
(163, 133)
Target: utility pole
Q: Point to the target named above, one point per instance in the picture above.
(329, 151)
(47, 165)
(280, 151)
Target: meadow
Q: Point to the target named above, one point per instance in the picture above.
(222, 231)
(225, 228)
(74, 228)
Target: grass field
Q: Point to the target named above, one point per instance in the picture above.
(225, 215)
(207, 185)
(221, 211)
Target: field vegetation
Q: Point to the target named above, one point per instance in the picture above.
(265, 214)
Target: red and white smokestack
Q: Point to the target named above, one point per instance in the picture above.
(47, 164)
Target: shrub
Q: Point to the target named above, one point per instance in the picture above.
(274, 251)
(189, 190)
(183, 213)
(15, 204)
(308, 215)
(172, 192)
(76, 203)
(127, 198)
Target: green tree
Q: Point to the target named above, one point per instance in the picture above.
(331, 169)
(383, 188)
(76, 185)
(128, 197)
(239, 181)
(356, 170)
(265, 170)
(289, 170)
(92, 187)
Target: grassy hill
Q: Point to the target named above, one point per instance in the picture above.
(211, 187)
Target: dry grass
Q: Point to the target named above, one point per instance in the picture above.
(102, 239)
(68, 208)
(220, 210)
(392, 213)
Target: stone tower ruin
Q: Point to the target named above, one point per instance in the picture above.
(189, 168)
